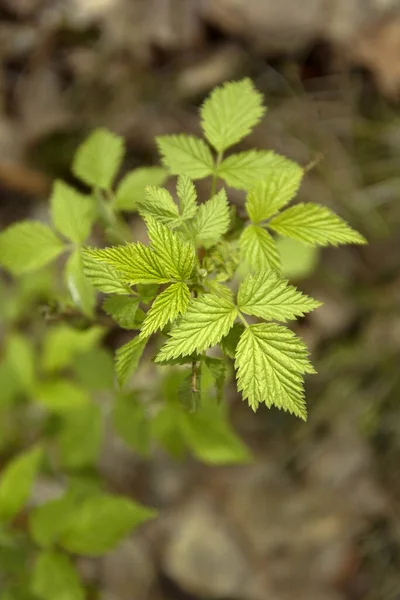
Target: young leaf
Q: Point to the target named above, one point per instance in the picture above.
(102, 276)
(316, 225)
(49, 520)
(171, 303)
(16, 482)
(230, 113)
(28, 245)
(101, 521)
(20, 355)
(98, 159)
(270, 297)
(176, 256)
(82, 292)
(272, 194)
(244, 169)
(127, 359)
(123, 310)
(207, 320)
(55, 577)
(63, 343)
(80, 437)
(158, 203)
(212, 220)
(258, 249)
(186, 155)
(131, 190)
(72, 213)
(132, 424)
(61, 395)
(187, 197)
(270, 363)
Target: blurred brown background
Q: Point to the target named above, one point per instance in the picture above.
(317, 516)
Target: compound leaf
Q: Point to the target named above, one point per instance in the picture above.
(270, 363)
(158, 203)
(176, 256)
(127, 358)
(102, 276)
(131, 190)
(212, 220)
(73, 214)
(207, 320)
(316, 225)
(230, 113)
(187, 196)
(98, 158)
(270, 297)
(186, 155)
(171, 303)
(28, 245)
(243, 169)
(258, 249)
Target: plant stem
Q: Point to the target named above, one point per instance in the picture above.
(241, 317)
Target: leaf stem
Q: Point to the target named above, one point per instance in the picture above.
(242, 318)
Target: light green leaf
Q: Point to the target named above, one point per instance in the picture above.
(171, 303)
(298, 260)
(158, 203)
(176, 256)
(316, 225)
(272, 194)
(268, 296)
(99, 158)
(73, 214)
(132, 424)
(102, 276)
(207, 320)
(16, 482)
(244, 169)
(20, 355)
(212, 220)
(63, 343)
(28, 245)
(101, 521)
(270, 363)
(61, 395)
(95, 369)
(258, 249)
(131, 190)
(230, 113)
(123, 310)
(82, 292)
(187, 197)
(186, 155)
(127, 359)
(48, 521)
(80, 437)
(55, 577)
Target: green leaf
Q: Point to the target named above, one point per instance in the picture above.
(127, 359)
(80, 437)
(217, 368)
(268, 296)
(229, 343)
(131, 423)
(212, 220)
(16, 482)
(272, 194)
(243, 169)
(48, 521)
(95, 369)
(298, 260)
(187, 197)
(102, 276)
(55, 577)
(230, 113)
(72, 213)
(82, 292)
(28, 245)
(207, 320)
(61, 395)
(258, 249)
(123, 310)
(159, 204)
(171, 303)
(101, 521)
(176, 256)
(20, 355)
(132, 188)
(270, 363)
(186, 155)
(99, 158)
(63, 343)
(316, 225)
